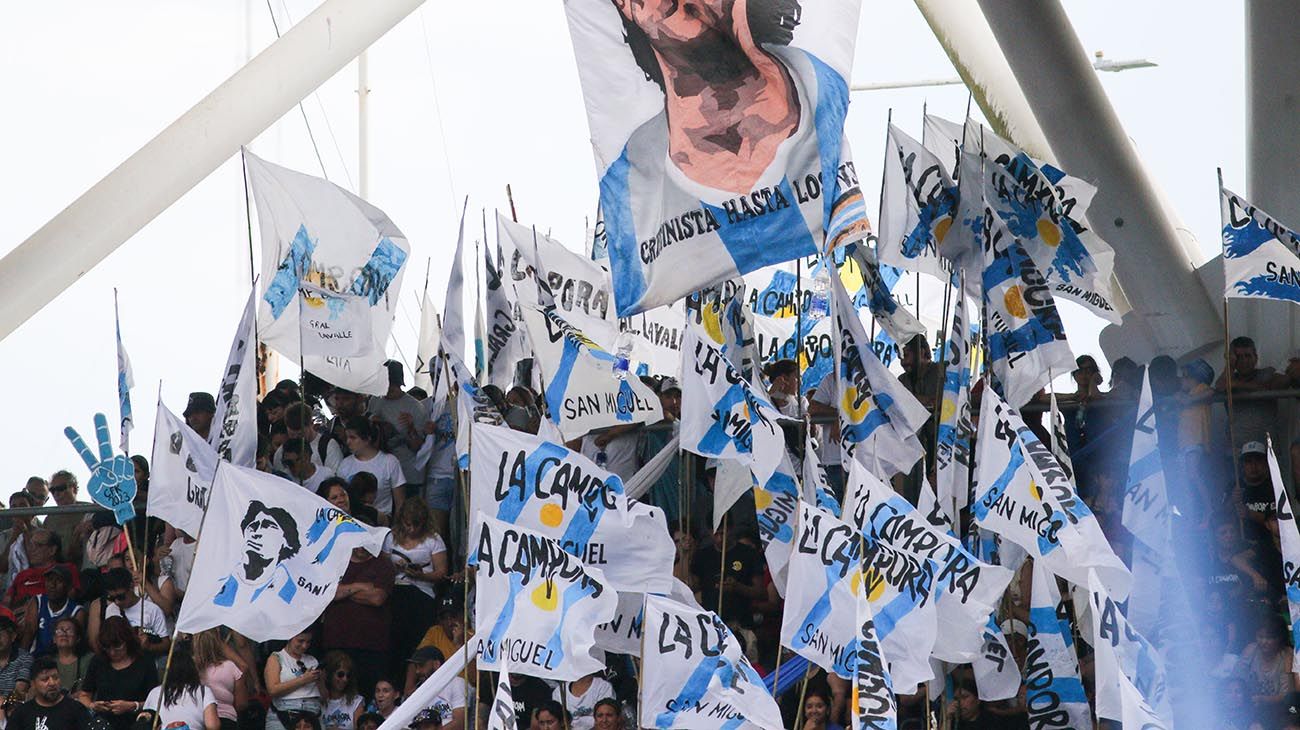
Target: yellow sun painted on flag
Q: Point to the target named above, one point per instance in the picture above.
(1015, 303)
(313, 301)
(1035, 491)
(552, 515)
(545, 596)
(855, 414)
(1049, 233)
(762, 498)
(948, 409)
(712, 320)
(855, 582)
(875, 583)
(941, 229)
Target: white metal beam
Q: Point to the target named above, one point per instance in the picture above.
(188, 150)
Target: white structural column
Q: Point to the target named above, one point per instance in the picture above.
(187, 151)
(1172, 313)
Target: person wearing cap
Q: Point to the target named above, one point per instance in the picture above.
(1251, 419)
(449, 703)
(426, 719)
(1254, 497)
(448, 634)
(403, 420)
(199, 412)
(44, 611)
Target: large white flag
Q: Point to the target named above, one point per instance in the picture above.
(722, 415)
(623, 634)
(775, 507)
(180, 476)
(583, 389)
(1054, 693)
(1289, 539)
(507, 341)
(688, 198)
(1130, 675)
(501, 714)
(317, 234)
(695, 674)
(538, 606)
(472, 405)
(125, 382)
(580, 286)
(918, 206)
(966, 590)
(540, 485)
(952, 457)
(234, 432)
(878, 417)
(1261, 257)
(1024, 496)
(453, 307)
(273, 557)
(1148, 516)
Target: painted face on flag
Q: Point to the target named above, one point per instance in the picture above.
(270, 536)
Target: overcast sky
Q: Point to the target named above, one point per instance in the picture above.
(466, 98)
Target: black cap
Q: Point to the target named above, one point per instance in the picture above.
(200, 402)
(61, 571)
(427, 654)
(448, 606)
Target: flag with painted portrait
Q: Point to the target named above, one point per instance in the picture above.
(718, 132)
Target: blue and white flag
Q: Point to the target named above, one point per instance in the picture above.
(473, 406)
(966, 590)
(1148, 516)
(1129, 672)
(538, 606)
(580, 287)
(695, 674)
(1055, 695)
(875, 294)
(1024, 331)
(1261, 257)
(827, 618)
(181, 469)
(584, 387)
(878, 417)
(623, 633)
(815, 487)
(125, 382)
(506, 341)
(918, 207)
(540, 485)
(688, 197)
(1289, 541)
(273, 559)
(776, 505)
(722, 416)
(234, 425)
(501, 713)
(952, 457)
(997, 676)
(1023, 494)
(316, 234)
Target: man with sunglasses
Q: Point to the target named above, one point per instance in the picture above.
(121, 599)
(64, 488)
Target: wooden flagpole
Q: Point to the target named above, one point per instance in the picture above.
(1227, 363)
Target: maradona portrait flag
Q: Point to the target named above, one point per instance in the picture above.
(722, 415)
(273, 557)
(1023, 495)
(1055, 695)
(527, 481)
(696, 675)
(538, 606)
(1261, 257)
(719, 137)
(328, 252)
(180, 477)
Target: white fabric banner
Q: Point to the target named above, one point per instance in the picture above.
(879, 419)
(623, 633)
(1024, 496)
(506, 341)
(1130, 675)
(1289, 539)
(997, 677)
(533, 483)
(538, 606)
(125, 382)
(695, 674)
(428, 691)
(1055, 694)
(952, 457)
(180, 476)
(1261, 257)
(333, 325)
(775, 505)
(501, 713)
(581, 287)
(582, 390)
(316, 233)
(234, 432)
(919, 203)
(1148, 516)
(722, 416)
(426, 346)
(273, 559)
(688, 199)
(453, 307)
(656, 338)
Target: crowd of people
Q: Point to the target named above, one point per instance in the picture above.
(86, 626)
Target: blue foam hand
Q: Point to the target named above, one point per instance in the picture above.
(112, 477)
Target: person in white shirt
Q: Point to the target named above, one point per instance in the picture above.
(183, 701)
(122, 599)
(582, 698)
(403, 419)
(783, 387)
(298, 424)
(299, 464)
(824, 404)
(363, 440)
(449, 703)
(614, 449)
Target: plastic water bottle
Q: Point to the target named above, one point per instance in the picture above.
(622, 355)
(820, 304)
(602, 458)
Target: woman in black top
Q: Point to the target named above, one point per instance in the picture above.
(119, 677)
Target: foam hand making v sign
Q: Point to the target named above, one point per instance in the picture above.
(112, 477)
